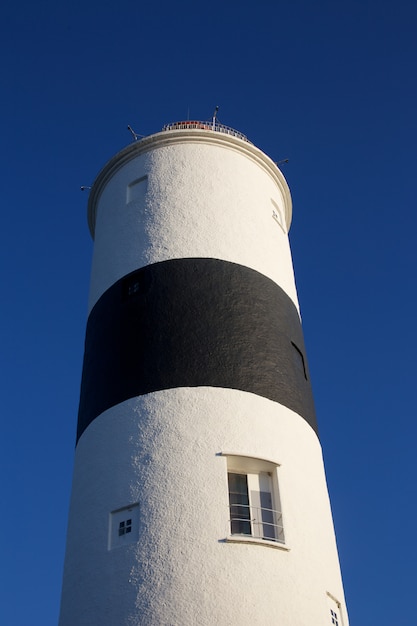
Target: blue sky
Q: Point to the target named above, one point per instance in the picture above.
(329, 85)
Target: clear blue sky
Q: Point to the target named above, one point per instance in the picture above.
(330, 85)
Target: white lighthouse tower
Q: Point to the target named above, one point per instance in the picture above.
(199, 496)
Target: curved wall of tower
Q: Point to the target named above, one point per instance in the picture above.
(199, 494)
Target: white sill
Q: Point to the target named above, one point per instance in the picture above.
(255, 540)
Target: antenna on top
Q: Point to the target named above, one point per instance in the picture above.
(134, 135)
(281, 162)
(214, 116)
(85, 188)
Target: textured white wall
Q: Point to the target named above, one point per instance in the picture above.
(162, 450)
(203, 200)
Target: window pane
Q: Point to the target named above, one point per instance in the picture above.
(267, 515)
(239, 504)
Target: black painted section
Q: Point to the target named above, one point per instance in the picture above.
(189, 323)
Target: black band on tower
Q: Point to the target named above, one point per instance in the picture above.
(189, 323)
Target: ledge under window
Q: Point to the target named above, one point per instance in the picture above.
(255, 540)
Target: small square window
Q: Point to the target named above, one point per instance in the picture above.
(136, 191)
(136, 285)
(334, 617)
(277, 214)
(335, 607)
(134, 288)
(124, 526)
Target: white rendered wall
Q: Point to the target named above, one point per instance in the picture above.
(164, 450)
(203, 200)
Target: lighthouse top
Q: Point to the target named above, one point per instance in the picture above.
(210, 125)
(189, 132)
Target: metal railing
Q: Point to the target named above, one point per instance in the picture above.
(207, 125)
(257, 522)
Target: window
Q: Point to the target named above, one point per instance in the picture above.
(299, 360)
(277, 214)
(335, 608)
(253, 499)
(239, 504)
(124, 526)
(136, 284)
(136, 191)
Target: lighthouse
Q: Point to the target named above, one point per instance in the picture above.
(199, 495)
